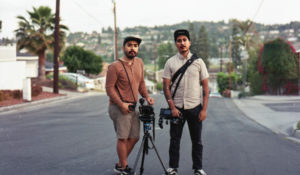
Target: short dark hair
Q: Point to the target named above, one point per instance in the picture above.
(181, 32)
(132, 38)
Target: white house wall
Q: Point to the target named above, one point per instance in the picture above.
(8, 53)
(12, 75)
(31, 65)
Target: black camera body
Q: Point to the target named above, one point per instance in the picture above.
(132, 107)
(166, 113)
(146, 112)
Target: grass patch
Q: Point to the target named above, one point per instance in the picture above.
(150, 67)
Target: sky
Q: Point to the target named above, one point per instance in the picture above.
(93, 15)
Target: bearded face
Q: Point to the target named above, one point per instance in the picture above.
(130, 49)
(183, 44)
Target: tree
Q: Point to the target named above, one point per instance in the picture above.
(235, 50)
(203, 45)
(255, 78)
(214, 49)
(248, 39)
(280, 63)
(164, 52)
(145, 54)
(37, 34)
(76, 58)
(193, 38)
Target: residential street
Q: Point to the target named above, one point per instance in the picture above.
(76, 137)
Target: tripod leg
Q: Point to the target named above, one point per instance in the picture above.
(143, 157)
(139, 153)
(161, 162)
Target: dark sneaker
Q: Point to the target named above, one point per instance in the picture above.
(199, 172)
(172, 171)
(118, 169)
(126, 171)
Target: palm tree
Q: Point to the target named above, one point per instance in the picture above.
(248, 37)
(37, 34)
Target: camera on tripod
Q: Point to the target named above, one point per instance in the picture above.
(146, 112)
(147, 116)
(166, 113)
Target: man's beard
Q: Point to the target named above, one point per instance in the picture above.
(130, 56)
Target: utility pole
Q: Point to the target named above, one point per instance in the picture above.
(155, 56)
(221, 60)
(116, 32)
(299, 73)
(56, 50)
(229, 69)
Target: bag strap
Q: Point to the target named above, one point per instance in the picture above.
(128, 80)
(181, 72)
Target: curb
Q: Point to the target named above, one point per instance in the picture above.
(295, 137)
(296, 132)
(44, 101)
(27, 104)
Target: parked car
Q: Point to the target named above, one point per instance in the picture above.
(215, 94)
(82, 81)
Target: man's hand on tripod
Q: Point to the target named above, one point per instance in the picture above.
(150, 100)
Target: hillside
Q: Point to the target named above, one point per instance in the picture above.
(218, 32)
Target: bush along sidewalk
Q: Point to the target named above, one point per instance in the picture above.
(18, 94)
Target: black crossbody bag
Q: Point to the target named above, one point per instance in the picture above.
(166, 112)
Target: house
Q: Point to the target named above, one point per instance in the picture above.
(16, 71)
(49, 68)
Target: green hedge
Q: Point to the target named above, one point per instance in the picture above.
(159, 86)
(223, 81)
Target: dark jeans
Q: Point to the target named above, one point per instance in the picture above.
(195, 128)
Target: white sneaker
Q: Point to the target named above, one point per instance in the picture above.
(199, 172)
(171, 171)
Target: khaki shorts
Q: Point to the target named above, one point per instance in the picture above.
(126, 125)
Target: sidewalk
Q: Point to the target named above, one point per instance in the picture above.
(278, 113)
(65, 95)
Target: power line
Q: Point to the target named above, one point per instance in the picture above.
(86, 12)
(258, 9)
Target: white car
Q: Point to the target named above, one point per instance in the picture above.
(215, 94)
(81, 80)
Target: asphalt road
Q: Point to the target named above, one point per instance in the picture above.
(76, 137)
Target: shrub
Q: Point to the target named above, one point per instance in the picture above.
(159, 86)
(223, 81)
(66, 83)
(49, 76)
(36, 90)
(17, 94)
(1, 96)
(9, 94)
(226, 93)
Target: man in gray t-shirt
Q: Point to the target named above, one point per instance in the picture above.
(189, 102)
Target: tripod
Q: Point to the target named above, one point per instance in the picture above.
(144, 147)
